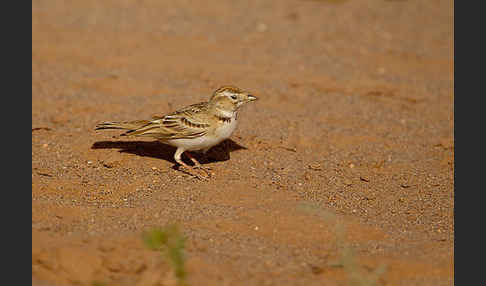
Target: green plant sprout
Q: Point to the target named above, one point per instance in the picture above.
(170, 242)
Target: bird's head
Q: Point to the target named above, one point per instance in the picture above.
(230, 98)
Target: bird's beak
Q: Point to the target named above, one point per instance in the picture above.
(252, 98)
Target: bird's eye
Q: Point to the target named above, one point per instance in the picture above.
(233, 97)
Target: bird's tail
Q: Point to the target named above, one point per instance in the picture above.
(131, 126)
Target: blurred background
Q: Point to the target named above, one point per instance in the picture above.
(355, 115)
(165, 45)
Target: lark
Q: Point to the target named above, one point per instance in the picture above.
(197, 127)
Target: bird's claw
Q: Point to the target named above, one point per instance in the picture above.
(191, 171)
(207, 170)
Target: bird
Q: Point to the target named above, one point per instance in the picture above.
(196, 127)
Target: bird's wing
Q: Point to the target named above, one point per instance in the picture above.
(185, 123)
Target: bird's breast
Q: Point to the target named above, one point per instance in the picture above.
(226, 128)
(221, 132)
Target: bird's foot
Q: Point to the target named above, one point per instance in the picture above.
(206, 170)
(192, 171)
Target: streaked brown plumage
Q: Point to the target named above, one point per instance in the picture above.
(198, 126)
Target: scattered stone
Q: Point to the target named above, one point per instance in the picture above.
(41, 128)
(293, 16)
(364, 178)
(44, 174)
(446, 143)
(291, 149)
(347, 182)
(369, 195)
(111, 162)
(315, 166)
(262, 27)
(316, 269)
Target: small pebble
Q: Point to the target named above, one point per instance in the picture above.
(315, 166)
(262, 27)
(364, 178)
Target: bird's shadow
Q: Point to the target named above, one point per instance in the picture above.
(156, 149)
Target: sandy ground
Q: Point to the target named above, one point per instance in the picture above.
(341, 173)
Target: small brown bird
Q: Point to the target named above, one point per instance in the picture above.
(196, 127)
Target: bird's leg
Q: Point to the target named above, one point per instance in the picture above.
(187, 168)
(198, 165)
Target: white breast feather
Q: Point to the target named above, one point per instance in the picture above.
(227, 129)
